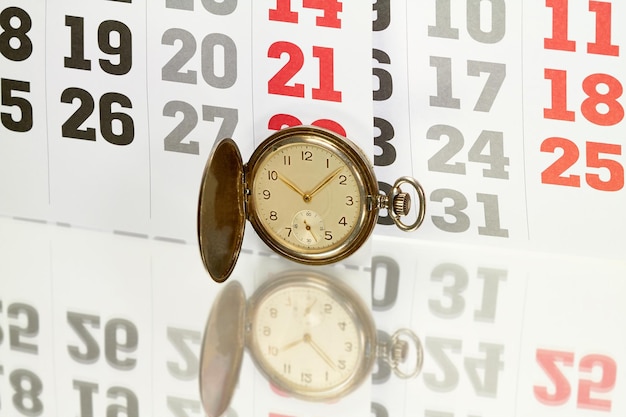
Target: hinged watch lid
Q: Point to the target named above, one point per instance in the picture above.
(222, 349)
(221, 210)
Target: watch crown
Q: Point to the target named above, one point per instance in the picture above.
(402, 204)
(400, 351)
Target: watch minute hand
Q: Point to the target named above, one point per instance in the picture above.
(324, 182)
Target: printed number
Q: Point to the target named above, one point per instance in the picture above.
(220, 8)
(181, 407)
(281, 121)
(123, 49)
(120, 336)
(27, 388)
(331, 8)
(278, 84)
(385, 81)
(560, 391)
(173, 142)
(224, 77)
(25, 121)
(181, 339)
(455, 220)
(116, 127)
(385, 276)
(560, 38)
(86, 391)
(15, 44)
(452, 305)
(476, 20)
(489, 365)
(382, 9)
(599, 107)
(388, 152)
(494, 156)
(556, 173)
(444, 98)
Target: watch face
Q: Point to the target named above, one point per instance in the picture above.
(309, 340)
(309, 196)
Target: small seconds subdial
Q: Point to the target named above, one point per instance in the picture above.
(308, 227)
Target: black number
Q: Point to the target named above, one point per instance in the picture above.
(307, 156)
(25, 122)
(388, 151)
(123, 48)
(342, 180)
(383, 15)
(385, 81)
(343, 221)
(72, 127)
(273, 215)
(266, 194)
(25, 48)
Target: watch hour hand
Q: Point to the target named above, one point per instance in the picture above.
(291, 185)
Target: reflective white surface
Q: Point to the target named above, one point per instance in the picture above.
(99, 324)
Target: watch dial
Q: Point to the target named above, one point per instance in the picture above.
(306, 340)
(306, 197)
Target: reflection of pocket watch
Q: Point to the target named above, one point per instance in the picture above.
(310, 194)
(312, 337)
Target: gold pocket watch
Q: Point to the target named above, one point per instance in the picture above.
(311, 336)
(310, 194)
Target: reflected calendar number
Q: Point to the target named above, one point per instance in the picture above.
(482, 371)
(121, 338)
(126, 402)
(593, 392)
(15, 44)
(122, 49)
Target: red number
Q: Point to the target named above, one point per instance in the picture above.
(326, 91)
(561, 390)
(554, 173)
(615, 182)
(589, 108)
(560, 19)
(559, 109)
(331, 8)
(283, 12)
(280, 121)
(602, 109)
(605, 384)
(278, 83)
(602, 45)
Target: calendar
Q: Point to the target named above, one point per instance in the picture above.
(510, 114)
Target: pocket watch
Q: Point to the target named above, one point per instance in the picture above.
(311, 336)
(310, 194)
